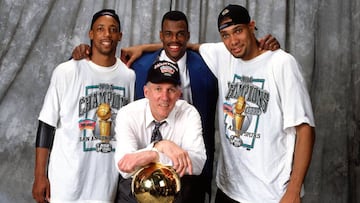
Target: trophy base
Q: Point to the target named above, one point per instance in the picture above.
(236, 141)
(103, 147)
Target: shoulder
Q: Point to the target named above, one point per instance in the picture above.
(122, 67)
(147, 57)
(69, 67)
(280, 56)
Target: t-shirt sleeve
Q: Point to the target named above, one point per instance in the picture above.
(295, 99)
(211, 53)
(51, 106)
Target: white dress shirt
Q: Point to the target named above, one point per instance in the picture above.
(134, 125)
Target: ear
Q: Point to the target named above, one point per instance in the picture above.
(179, 93)
(252, 25)
(91, 34)
(120, 36)
(146, 91)
(161, 36)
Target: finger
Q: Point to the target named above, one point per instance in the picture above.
(269, 40)
(123, 57)
(261, 44)
(130, 61)
(40, 198)
(181, 170)
(47, 198)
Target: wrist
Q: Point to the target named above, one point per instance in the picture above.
(156, 154)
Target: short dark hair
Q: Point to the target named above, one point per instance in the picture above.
(103, 12)
(175, 16)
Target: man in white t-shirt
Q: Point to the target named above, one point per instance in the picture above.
(266, 121)
(76, 122)
(180, 144)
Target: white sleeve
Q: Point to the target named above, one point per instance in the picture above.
(126, 141)
(211, 53)
(295, 99)
(193, 142)
(50, 112)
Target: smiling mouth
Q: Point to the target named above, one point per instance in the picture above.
(106, 43)
(164, 105)
(174, 47)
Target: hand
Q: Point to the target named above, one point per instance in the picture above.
(41, 190)
(81, 51)
(269, 43)
(130, 54)
(132, 161)
(180, 158)
(291, 197)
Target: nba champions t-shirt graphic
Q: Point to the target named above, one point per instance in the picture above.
(97, 113)
(244, 103)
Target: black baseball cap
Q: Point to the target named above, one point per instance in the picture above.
(162, 72)
(109, 12)
(238, 15)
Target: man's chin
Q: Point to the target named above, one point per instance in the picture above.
(238, 56)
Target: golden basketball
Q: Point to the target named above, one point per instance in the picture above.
(155, 183)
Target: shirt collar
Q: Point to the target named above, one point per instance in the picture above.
(181, 62)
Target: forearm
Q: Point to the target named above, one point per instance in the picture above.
(305, 138)
(150, 47)
(194, 47)
(41, 160)
(131, 162)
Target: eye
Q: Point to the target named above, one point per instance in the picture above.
(157, 89)
(172, 90)
(238, 30)
(225, 35)
(100, 29)
(113, 29)
(180, 34)
(167, 34)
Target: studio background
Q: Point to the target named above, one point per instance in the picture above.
(323, 35)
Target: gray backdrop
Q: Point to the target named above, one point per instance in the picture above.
(36, 35)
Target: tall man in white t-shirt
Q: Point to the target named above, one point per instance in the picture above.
(265, 116)
(76, 122)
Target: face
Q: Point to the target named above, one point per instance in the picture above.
(240, 40)
(105, 35)
(162, 98)
(174, 36)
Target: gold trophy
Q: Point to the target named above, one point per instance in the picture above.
(104, 114)
(238, 121)
(155, 183)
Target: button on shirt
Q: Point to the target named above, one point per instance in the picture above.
(184, 75)
(134, 125)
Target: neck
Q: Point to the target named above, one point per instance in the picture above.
(255, 51)
(103, 60)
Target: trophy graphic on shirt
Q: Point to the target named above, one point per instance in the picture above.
(238, 121)
(104, 114)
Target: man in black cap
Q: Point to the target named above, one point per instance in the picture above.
(266, 121)
(75, 122)
(178, 141)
